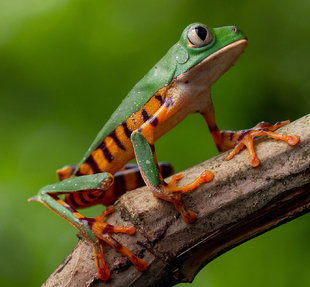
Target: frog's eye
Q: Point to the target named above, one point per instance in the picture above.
(198, 36)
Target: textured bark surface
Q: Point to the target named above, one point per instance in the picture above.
(240, 203)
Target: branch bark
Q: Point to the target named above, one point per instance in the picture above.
(240, 203)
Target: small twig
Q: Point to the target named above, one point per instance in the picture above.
(240, 203)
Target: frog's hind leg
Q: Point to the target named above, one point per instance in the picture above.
(93, 230)
(127, 179)
(130, 179)
(237, 140)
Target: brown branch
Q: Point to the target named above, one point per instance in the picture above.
(240, 203)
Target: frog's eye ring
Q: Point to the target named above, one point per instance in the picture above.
(198, 36)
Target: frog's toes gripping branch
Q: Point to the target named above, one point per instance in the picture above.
(245, 139)
(237, 140)
(167, 191)
(94, 230)
(175, 192)
(205, 176)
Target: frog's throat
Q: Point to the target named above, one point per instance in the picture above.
(208, 70)
(191, 89)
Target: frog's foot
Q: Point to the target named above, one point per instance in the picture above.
(146, 159)
(99, 227)
(246, 137)
(171, 192)
(95, 230)
(102, 232)
(205, 176)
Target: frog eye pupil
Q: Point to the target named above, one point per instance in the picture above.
(201, 32)
(198, 36)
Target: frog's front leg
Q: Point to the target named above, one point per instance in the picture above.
(94, 230)
(237, 140)
(143, 143)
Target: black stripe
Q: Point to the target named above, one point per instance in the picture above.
(93, 164)
(152, 148)
(72, 202)
(153, 121)
(107, 154)
(145, 115)
(115, 138)
(166, 169)
(83, 199)
(68, 198)
(93, 194)
(243, 134)
(119, 185)
(231, 136)
(127, 131)
(159, 98)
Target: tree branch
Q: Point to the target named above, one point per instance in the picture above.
(240, 203)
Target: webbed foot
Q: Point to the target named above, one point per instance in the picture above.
(102, 232)
(174, 192)
(205, 176)
(245, 138)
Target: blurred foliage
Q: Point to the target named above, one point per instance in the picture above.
(66, 65)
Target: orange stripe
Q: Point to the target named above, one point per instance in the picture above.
(85, 168)
(99, 158)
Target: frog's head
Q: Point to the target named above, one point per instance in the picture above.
(207, 53)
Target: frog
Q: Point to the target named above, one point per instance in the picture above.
(176, 86)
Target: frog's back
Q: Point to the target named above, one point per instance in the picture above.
(114, 138)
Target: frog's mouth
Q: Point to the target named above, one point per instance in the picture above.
(208, 70)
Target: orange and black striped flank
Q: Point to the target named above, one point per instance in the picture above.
(106, 152)
(159, 98)
(116, 149)
(154, 121)
(127, 131)
(145, 115)
(117, 141)
(93, 164)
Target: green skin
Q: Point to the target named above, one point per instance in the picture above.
(163, 72)
(179, 59)
(86, 182)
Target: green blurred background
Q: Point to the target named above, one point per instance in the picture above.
(64, 68)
